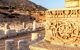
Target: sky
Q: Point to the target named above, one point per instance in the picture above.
(50, 3)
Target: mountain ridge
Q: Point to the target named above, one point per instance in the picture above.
(22, 5)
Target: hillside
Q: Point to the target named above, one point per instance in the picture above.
(21, 4)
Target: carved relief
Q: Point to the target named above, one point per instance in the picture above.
(63, 30)
(66, 30)
(53, 12)
(67, 12)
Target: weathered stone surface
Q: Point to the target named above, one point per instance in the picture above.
(23, 45)
(10, 45)
(43, 45)
(34, 36)
(2, 33)
(63, 30)
(10, 33)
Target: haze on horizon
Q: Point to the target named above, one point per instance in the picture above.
(49, 4)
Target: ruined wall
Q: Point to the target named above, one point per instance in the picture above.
(63, 26)
(15, 25)
(39, 15)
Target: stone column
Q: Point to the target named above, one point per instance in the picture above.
(34, 36)
(34, 25)
(6, 25)
(6, 28)
(23, 45)
(23, 24)
(10, 45)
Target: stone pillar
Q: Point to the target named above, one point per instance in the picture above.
(34, 25)
(34, 36)
(6, 25)
(6, 28)
(10, 45)
(23, 45)
(23, 24)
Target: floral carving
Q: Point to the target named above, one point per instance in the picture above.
(65, 30)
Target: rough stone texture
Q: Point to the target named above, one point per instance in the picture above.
(63, 28)
(10, 45)
(23, 36)
(10, 33)
(47, 46)
(34, 36)
(23, 45)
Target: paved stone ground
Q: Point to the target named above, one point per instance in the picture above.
(37, 45)
(47, 46)
(2, 41)
(26, 36)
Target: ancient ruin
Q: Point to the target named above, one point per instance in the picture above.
(62, 28)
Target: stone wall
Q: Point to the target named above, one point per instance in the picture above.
(39, 15)
(9, 29)
(63, 26)
(15, 25)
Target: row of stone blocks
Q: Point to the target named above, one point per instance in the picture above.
(22, 45)
(11, 32)
(6, 33)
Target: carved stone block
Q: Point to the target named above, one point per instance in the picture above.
(34, 36)
(10, 33)
(10, 45)
(63, 30)
(23, 45)
(2, 34)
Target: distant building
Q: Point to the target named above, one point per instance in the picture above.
(72, 3)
